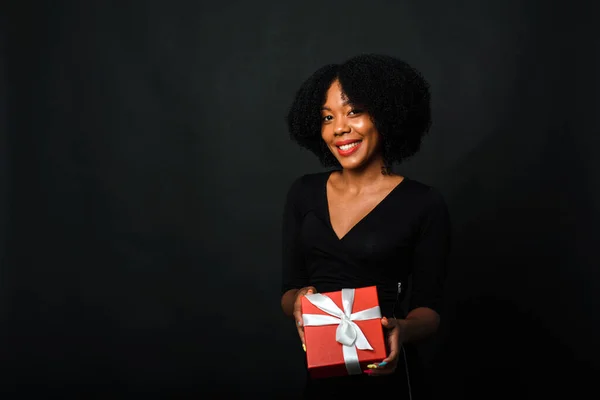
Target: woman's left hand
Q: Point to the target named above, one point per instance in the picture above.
(388, 365)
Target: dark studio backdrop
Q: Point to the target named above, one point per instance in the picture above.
(144, 163)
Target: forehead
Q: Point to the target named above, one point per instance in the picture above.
(335, 93)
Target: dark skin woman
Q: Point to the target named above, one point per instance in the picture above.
(361, 224)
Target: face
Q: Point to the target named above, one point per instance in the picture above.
(348, 131)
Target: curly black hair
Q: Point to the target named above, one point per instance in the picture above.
(395, 95)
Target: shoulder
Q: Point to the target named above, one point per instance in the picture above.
(308, 182)
(426, 197)
(306, 186)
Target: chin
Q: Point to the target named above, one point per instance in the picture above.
(351, 165)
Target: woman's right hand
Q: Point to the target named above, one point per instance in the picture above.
(298, 311)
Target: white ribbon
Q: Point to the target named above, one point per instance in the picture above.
(347, 333)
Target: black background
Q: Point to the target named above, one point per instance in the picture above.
(144, 162)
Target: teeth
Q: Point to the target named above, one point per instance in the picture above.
(349, 146)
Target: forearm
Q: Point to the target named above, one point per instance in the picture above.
(287, 302)
(418, 324)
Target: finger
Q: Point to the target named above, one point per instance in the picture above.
(298, 318)
(299, 325)
(298, 313)
(381, 365)
(298, 307)
(393, 346)
(301, 335)
(299, 295)
(380, 371)
(394, 349)
(388, 323)
(393, 339)
(390, 359)
(388, 364)
(385, 367)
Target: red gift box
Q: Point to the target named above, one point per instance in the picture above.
(327, 324)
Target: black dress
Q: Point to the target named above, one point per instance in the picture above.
(407, 235)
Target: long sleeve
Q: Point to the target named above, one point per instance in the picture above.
(431, 254)
(294, 275)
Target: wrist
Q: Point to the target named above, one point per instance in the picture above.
(418, 325)
(403, 330)
(288, 300)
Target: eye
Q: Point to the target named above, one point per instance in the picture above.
(355, 111)
(327, 118)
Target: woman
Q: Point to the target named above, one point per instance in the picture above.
(361, 224)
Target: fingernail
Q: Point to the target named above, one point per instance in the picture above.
(299, 323)
(382, 364)
(303, 346)
(372, 366)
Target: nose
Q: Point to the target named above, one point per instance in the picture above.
(341, 126)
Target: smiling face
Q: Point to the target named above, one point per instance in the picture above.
(348, 131)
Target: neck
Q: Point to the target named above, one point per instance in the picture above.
(358, 179)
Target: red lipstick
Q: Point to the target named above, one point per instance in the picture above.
(347, 147)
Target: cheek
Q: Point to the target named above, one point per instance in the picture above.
(365, 128)
(326, 133)
(359, 124)
(364, 125)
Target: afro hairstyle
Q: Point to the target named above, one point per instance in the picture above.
(395, 95)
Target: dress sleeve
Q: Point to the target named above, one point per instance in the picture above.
(431, 254)
(294, 275)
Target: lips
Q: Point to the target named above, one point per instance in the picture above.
(347, 147)
(347, 141)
